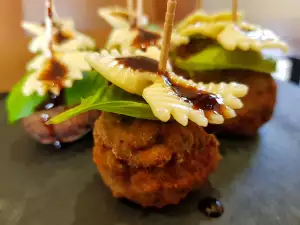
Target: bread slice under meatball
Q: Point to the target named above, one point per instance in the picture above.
(152, 163)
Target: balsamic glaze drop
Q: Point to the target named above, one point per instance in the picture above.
(211, 207)
(145, 39)
(139, 63)
(54, 73)
(51, 102)
(61, 36)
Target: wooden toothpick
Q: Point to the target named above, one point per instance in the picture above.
(199, 4)
(49, 27)
(55, 14)
(168, 26)
(235, 4)
(139, 13)
(130, 10)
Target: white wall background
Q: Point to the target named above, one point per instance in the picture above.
(283, 16)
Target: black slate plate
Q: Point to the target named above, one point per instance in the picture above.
(258, 180)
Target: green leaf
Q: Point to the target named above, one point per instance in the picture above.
(83, 88)
(19, 106)
(215, 57)
(110, 98)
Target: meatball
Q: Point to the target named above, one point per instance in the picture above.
(259, 103)
(152, 163)
(68, 131)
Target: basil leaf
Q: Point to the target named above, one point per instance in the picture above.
(215, 57)
(19, 106)
(83, 88)
(110, 98)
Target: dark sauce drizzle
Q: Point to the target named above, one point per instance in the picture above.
(145, 39)
(53, 75)
(59, 36)
(195, 45)
(51, 102)
(200, 99)
(211, 207)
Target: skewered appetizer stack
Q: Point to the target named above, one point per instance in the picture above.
(56, 80)
(149, 143)
(132, 31)
(224, 48)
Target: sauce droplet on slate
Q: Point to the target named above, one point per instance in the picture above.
(211, 207)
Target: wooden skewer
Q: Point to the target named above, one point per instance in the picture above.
(49, 27)
(199, 4)
(55, 14)
(235, 5)
(168, 26)
(130, 9)
(139, 13)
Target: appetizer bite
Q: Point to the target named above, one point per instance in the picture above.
(224, 48)
(149, 143)
(65, 36)
(118, 17)
(132, 32)
(54, 82)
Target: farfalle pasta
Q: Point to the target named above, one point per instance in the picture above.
(65, 37)
(202, 17)
(69, 65)
(118, 17)
(232, 36)
(166, 93)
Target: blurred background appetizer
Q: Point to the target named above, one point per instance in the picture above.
(131, 29)
(149, 143)
(65, 36)
(55, 81)
(224, 48)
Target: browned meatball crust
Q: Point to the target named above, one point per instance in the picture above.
(68, 131)
(152, 163)
(258, 104)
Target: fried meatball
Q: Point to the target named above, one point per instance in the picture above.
(259, 103)
(68, 131)
(152, 163)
